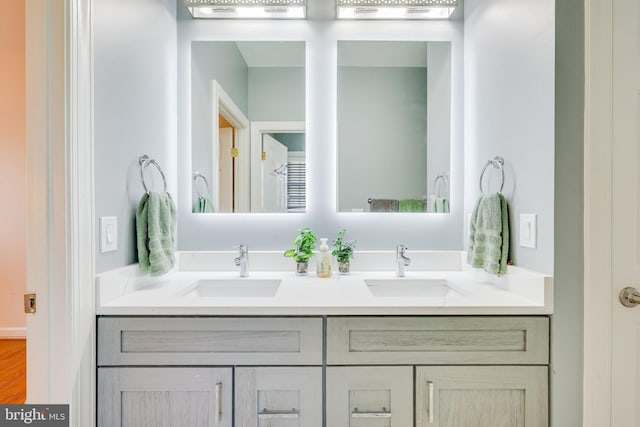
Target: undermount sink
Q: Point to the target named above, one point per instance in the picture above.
(234, 288)
(410, 288)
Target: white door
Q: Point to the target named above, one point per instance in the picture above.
(225, 170)
(625, 256)
(274, 175)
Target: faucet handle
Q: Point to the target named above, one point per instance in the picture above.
(401, 249)
(242, 248)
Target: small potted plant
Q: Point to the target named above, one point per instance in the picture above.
(303, 250)
(343, 251)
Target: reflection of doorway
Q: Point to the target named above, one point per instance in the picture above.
(230, 182)
(225, 165)
(263, 188)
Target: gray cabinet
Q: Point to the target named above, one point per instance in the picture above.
(483, 389)
(278, 397)
(359, 396)
(432, 340)
(397, 371)
(165, 397)
(481, 396)
(209, 341)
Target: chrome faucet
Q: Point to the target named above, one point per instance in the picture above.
(243, 260)
(402, 260)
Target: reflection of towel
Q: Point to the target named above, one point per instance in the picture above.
(412, 205)
(489, 234)
(438, 204)
(203, 205)
(155, 231)
(384, 205)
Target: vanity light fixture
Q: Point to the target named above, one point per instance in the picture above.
(247, 9)
(395, 9)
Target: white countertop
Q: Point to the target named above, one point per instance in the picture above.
(128, 291)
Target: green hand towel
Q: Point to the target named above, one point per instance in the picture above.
(438, 204)
(412, 205)
(489, 234)
(155, 231)
(204, 205)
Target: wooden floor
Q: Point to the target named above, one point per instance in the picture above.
(13, 371)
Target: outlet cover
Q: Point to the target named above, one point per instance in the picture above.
(528, 231)
(108, 233)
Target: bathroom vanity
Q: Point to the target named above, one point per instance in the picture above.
(443, 348)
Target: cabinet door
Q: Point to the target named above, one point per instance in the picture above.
(278, 397)
(370, 396)
(164, 397)
(481, 396)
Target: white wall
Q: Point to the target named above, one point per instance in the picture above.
(272, 231)
(276, 94)
(134, 110)
(382, 135)
(438, 113)
(509, 111)
(567, 321)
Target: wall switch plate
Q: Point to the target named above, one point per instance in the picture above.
(108, 233)
(528, 231)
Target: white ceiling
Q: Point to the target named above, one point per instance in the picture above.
(272, 54)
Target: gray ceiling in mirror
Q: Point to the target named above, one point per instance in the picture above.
(248, 131)
(394, 126)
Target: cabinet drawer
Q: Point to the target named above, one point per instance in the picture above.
(209, 341)
(437, 340)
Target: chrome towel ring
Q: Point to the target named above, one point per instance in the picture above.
(498, 163)
(197, 175)
(441, 182)
(145, 161)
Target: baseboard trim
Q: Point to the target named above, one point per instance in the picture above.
(13, 333)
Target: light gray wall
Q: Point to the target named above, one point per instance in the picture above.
(320, 32)
(509, 111)
(438, 113)
(293, 141)
(567, 321)
(223, 62)
(134, 110)
(276, 94)
(382, 135)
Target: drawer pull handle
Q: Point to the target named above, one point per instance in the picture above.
(382, 414)
(266, 414)
(218, 408)
(430, 397)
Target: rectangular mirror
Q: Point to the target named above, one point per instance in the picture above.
(394, 126)
(248, 133)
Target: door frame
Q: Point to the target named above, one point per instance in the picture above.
(222, 104)
(257, 129)
(598, 168)
(60, 215)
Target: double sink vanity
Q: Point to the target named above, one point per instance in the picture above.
(443, 346)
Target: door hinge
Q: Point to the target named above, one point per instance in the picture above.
(264, 155)
(30, 303)
(234, 152)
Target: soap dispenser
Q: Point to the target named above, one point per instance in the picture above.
(324, 259)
